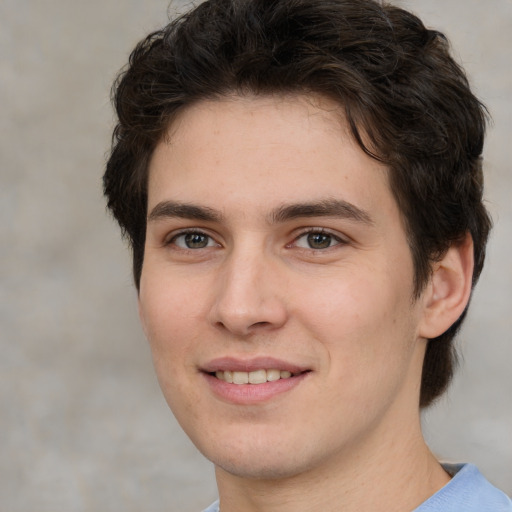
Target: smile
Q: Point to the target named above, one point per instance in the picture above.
(242, 381)
(254, 377)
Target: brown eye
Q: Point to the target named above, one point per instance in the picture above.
(317, 240)
(193, 240)
(196, 240)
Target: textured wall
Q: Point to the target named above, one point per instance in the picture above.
(82, 424)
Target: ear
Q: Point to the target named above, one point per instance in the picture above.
(449, 289)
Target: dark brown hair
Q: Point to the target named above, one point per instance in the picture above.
(407, 102)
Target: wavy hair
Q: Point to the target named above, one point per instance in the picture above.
(407, 102)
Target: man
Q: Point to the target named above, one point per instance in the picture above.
(301, 185)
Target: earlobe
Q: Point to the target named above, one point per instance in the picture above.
(449, 289)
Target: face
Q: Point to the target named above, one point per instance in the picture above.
(276, 291)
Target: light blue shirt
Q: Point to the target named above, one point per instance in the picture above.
(467, 491)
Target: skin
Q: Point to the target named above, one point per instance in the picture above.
(348, 432)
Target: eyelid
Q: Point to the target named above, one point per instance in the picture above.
(341, 239)
(171, 237)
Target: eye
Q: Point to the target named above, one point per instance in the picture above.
(317, 240)
(193, 240)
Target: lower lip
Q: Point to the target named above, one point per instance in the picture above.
(246, 394)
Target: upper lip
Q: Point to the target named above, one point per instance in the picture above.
(235, 364)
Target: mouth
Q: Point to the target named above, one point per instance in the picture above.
(254, 377)
(254, 381)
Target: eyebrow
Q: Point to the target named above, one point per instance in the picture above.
(170, 209)
(325, 208)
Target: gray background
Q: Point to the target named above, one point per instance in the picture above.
(82, 424)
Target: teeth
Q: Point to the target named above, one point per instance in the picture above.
(256, 377)
(240, 378)
(273, 375)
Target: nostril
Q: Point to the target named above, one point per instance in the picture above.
(246, 315)
(260, 324)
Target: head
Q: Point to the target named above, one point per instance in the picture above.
(406, 102)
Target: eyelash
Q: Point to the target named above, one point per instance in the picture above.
(306, 233)
(318, 231)
(172, 240)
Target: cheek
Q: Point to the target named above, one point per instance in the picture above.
(362, 321)
(169, 328)
(166, 305)
(170, 318)
(369, 341)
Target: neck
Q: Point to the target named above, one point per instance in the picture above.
(395, 474)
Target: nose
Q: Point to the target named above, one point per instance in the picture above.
(249, 295)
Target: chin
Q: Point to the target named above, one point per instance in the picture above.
(264, 460)
(259, 468)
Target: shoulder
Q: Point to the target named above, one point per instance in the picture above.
(214, 507)
(467, 491)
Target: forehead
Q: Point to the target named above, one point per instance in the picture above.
(261, 151)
